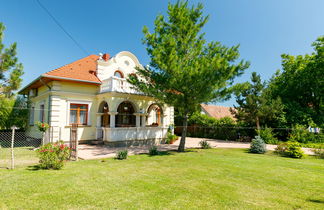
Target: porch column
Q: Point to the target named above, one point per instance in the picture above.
(144, 120)
(138, 119)
(112, 118)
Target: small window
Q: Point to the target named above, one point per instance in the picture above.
(31, 115)
(118, 74)
(79, 114)
(42, 113)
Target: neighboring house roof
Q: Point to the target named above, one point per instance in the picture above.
(217, 111)
(83, 70)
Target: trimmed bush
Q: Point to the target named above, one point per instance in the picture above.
(122, 154)
(319, 152)
(290, 149)
(153, 151)
(204, 144)
(258, 146)
(267, 136)
(53, 155)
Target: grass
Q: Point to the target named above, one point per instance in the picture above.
(23, 156)
(197, 179)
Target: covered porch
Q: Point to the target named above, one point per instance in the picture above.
(127, 122)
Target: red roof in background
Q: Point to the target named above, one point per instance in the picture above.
(83, 69)
(217, 111)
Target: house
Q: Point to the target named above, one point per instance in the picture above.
(216, 111)
(94, 94)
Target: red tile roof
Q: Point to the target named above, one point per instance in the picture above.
(83, 69)
(217, 111)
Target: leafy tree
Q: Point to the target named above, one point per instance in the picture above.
(254, 105)
(9, 66)
(300, 85)
(12, 109)
(185, 70)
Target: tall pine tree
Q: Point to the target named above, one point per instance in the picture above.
(185, 70)
(10, 70)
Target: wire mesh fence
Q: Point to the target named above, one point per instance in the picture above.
(17, 147)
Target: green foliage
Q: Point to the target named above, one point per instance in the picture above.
(185, 70)
(319, 152)
(254, 105)
(9, 66)
(171, 138)
(153, 151)
(122, 154)
(300, 134)
(258, 146)
(300, 85)
(53, 155)
(290, 149)
(13, 111)
(267, 135)
(42, 126)
(204, 144)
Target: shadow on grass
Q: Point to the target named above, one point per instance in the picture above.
(34, 168)
(315, 200)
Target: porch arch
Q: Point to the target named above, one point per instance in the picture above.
(154, 115)
(125, 114)
(103, 110)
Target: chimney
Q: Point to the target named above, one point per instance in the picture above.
(106, 57)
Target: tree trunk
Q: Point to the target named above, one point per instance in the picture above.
(181, 147)
(257, 121)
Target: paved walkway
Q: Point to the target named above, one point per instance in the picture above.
(88, 152)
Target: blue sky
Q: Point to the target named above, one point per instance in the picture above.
(265, 29)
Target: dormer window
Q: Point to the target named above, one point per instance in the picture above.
(118, 74)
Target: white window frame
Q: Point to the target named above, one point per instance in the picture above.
(89, 103)
(32, 115)
(41, 111)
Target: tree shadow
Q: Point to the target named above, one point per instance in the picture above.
(34, 168)
(315, 200)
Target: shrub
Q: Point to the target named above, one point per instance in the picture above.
(171, 138)
(300, 134)
(319, 152)
(204, 144)
(122, 154)
(258, 146)
(53, 155)
(267, 136)
(290, 149)
(153, 151)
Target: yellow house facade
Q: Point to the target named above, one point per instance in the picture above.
(93, 93)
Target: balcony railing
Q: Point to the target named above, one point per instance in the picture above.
(115, 84)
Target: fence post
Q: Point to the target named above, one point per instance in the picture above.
(12, 147)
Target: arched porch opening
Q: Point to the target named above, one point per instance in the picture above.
(125, 116)
(154, 117)
(105, 118)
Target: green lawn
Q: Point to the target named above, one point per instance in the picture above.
(23, 156)
(199, 179)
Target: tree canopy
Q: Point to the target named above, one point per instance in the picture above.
(300, 85)
(10, 69)
(254, 104)
(185, 70)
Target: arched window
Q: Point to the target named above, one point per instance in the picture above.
(118, 74)
(125, 116)
(154, 117)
